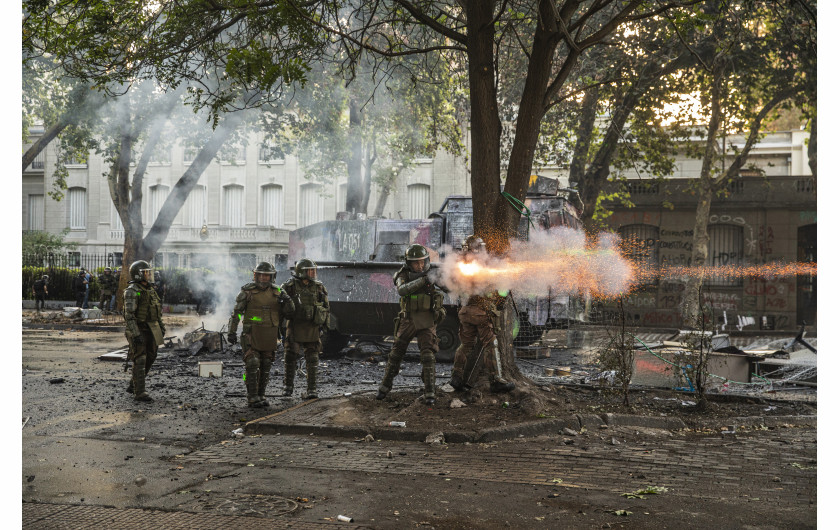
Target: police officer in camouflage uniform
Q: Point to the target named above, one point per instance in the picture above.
(478, 320)
(261, 305)
(312, 312)
(144, 327)
(421, 310)
(108, 283)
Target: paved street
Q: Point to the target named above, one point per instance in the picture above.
(763, 478)
(94, 458)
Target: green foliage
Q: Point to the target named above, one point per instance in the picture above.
(40, 243)
(617, 354)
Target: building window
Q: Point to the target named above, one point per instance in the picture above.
(726, 249)
(271, 154)
(234, 211)
(74, 259)
(36, 212)
(77, 199)
(640, 244)
(341, 205)
(73, 159)
(271, 213)
(418, 201)
(157, 196)
(311, 204)
(196, 207)
(38, 163)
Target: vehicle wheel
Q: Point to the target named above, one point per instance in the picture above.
(448, 341)
(333, 342)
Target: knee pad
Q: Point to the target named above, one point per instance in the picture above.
(252, 363)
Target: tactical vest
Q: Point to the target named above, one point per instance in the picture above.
(420, 306)
(148, 305)
(262, 315)
(310, 313)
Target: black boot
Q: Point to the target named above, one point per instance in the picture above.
(456, 382)
(430, 401)
(381, 395)
(500, 385)
(288, 391)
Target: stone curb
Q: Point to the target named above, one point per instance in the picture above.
(525, 429)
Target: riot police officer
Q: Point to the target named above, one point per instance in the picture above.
(108, 283)
(261, 305)
(478, 320)
(312, 312)
(421, 310)
(144, 327)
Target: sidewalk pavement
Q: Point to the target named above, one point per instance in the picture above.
(308, 473)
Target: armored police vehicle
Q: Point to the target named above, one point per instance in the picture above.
(357, 260)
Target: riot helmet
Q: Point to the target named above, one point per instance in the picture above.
(473, 244)
(418, 253)
(303, 268)
(45, 278)
(141, 271)
(264, 267)
(107, 270)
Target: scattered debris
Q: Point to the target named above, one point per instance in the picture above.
(435, 438)
(457, 403)
(569, 432)
(344, 519)
(26, 421)
(389, 454)
(396, 424)
(140, 481)
(447, 388)
(650, 490)
(238, 433)
(56, 380)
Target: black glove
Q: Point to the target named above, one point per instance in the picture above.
(231, 337)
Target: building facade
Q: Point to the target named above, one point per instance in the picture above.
(245, 207)
(242, 211)
(768, 217)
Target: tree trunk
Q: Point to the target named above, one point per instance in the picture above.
(585, 128)
(700, 251)
(486, 128)
(369, 158)
(160, 229)
(42, 142)
(531, 112)
(812, 147)
(355, 191)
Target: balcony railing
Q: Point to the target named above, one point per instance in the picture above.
(260, 234)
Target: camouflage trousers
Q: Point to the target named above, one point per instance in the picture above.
(257, 371)
(143, 357)
(427, 340)
(291, 356)
(477, 324)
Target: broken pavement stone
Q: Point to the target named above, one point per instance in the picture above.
(447, 388)
(457, 403)
(435, 438)
(569, 432)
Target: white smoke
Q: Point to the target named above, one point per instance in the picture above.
(556, 259)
